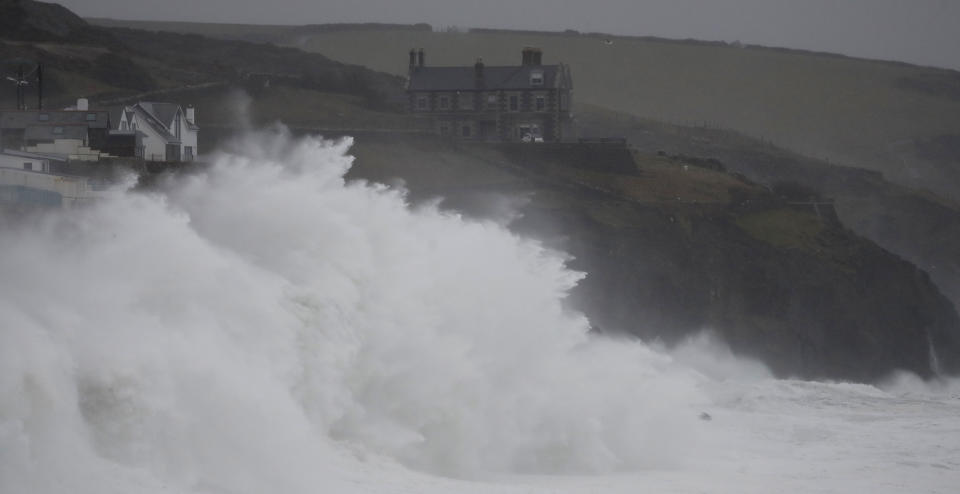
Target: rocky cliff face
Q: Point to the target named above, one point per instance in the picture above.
(672, 249)
(810, 299)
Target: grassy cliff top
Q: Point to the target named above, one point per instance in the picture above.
(858, 112)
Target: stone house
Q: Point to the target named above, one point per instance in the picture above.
(530, 102)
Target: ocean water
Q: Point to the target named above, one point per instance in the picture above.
(265, 326)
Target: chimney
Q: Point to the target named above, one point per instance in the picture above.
(413, 59)
(83, 104)
(191, 115)
(478, 71)
(420, 58)
(532, 56)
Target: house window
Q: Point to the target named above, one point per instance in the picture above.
(91, 117)
(491, 101)
(466, 131)
(422, 103)
(536, 78)
(43, 117)
(444, 102)
(514, 103)
(133, 125)
(58, 130)
(123, 125)
(28, 166)
(541, 103)
(188, 153)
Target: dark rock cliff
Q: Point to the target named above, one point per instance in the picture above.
(671, 250)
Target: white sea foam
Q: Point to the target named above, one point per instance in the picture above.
(266, 327)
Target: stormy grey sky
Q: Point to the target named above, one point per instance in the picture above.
(925, 32)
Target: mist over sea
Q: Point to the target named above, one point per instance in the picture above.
(265, 326)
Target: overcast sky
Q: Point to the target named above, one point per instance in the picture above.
(919, 31)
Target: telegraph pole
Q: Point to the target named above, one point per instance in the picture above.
(39, 86)
(21, 104)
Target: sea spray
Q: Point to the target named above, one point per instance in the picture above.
(235, 330)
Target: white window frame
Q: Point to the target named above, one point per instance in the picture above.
(536, 78)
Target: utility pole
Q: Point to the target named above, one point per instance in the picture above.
(21, 104)
(39, 86)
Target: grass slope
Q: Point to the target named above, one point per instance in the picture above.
(857, 112)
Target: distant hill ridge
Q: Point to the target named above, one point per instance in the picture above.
(29, 20)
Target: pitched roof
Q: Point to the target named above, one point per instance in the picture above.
(153, 121)
(21, 119)
(163, 112)
(494, 77)
(25, 154)
(116, 112)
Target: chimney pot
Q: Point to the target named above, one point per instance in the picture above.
(532, 56)
(478, 71)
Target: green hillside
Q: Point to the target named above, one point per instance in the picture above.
(869, 114)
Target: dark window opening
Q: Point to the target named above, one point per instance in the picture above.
(422, 103)
(514, 103)
(91, 117)
(28, 166)
(444, 102)
(541, 103)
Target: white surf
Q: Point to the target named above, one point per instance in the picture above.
(264, 326)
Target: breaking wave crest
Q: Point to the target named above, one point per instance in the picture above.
(242, 329)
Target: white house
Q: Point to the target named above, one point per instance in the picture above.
(169, 132)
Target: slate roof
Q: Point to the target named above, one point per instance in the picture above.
(21, 119)
(494, 78)
(163, 112)
(161, 126)
(25, 154)
(116, 112)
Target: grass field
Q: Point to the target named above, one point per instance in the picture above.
(850, 111)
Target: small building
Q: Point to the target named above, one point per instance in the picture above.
(528, 102)
(76, 134)
(167, 132)
(20, 160)
(29, 180)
